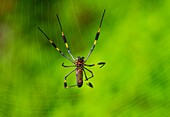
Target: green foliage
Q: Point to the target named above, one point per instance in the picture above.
(134, 43)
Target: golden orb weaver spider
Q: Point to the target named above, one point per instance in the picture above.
(79, 62)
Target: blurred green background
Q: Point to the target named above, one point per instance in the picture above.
(134, 43)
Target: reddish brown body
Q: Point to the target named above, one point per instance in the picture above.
(79, 77)
(79, 71)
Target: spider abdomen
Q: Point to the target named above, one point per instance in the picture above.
(79, 76)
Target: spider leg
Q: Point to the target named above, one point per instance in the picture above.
(65, 80)
(90, 73)
(64, 38)
(88, 83)
(68, 65)
(55, 46)
(100, 63)
(97, 36)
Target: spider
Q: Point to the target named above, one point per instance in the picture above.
(79, 62)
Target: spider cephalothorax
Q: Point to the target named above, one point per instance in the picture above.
(80, 61)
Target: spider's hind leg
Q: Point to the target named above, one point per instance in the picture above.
(87, 82)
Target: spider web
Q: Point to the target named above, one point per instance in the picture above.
(134, 43)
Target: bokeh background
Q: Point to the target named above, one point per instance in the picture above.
(134, 43)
